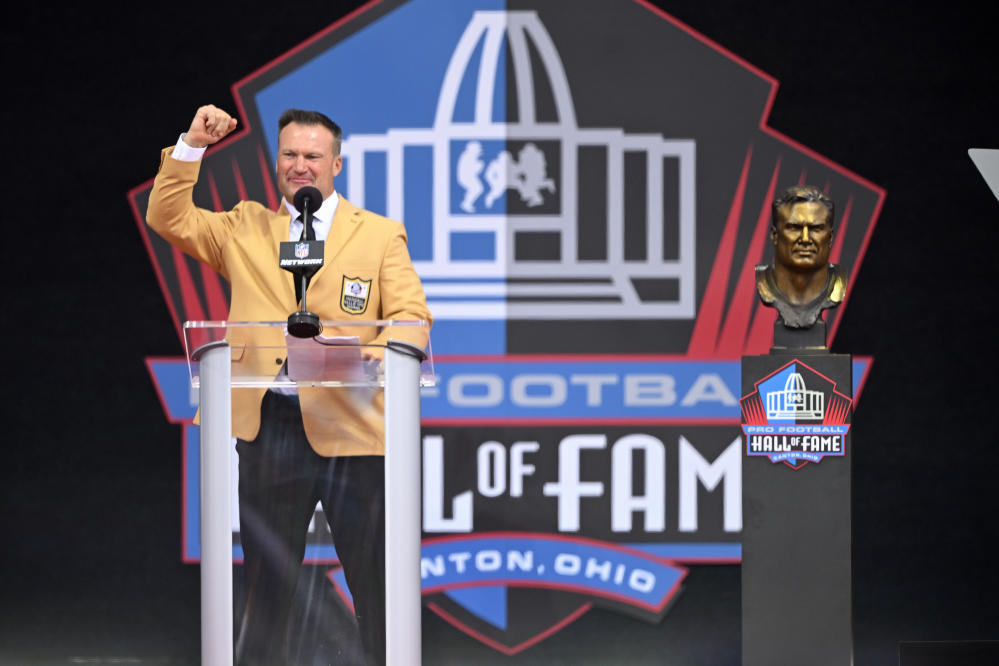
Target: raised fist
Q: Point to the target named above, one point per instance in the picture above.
(209, 126)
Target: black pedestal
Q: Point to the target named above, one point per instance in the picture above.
(796, 541)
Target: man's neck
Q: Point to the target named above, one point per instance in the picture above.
(801, 288)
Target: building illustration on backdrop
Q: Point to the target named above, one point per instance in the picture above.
(506, 221)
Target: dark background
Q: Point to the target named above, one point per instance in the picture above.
(90, 482)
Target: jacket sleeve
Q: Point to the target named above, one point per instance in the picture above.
(173, 215)
(402, 296)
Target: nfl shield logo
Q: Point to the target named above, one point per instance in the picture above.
(301, 250)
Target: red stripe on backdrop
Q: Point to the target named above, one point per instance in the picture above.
(709, 316)
(188, 293)
(733, 337)
(265, 170)
(840, 232)
(240, 185)
(218, 309)
(216, 200)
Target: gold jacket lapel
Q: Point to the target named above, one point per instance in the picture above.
(346, 221)
(280, 231)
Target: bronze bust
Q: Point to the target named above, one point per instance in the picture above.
(801, 283)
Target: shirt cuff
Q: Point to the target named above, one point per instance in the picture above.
(186, 153)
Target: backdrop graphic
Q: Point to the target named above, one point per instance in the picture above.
(586, 229)
(90, 485)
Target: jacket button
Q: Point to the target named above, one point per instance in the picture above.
(278, 361)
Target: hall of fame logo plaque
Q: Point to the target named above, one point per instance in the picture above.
(796, 416)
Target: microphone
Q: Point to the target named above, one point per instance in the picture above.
(307, 200)
(303, 259)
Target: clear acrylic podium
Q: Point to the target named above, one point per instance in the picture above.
(249, 355)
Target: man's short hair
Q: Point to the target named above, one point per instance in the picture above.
(303, 117)
(800, 194)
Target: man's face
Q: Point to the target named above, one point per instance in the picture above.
(803, 236)
(305, 157)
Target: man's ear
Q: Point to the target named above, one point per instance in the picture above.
(773, 234)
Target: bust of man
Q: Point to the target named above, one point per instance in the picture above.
(801, 283)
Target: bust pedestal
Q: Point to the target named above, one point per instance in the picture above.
(796, 540)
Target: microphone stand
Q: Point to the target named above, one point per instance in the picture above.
(305, 324)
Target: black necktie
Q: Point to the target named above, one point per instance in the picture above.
(309, 234)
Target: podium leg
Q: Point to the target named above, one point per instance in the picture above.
(216, 508)
(402, 510)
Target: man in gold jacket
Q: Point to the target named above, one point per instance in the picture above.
(316, 445)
